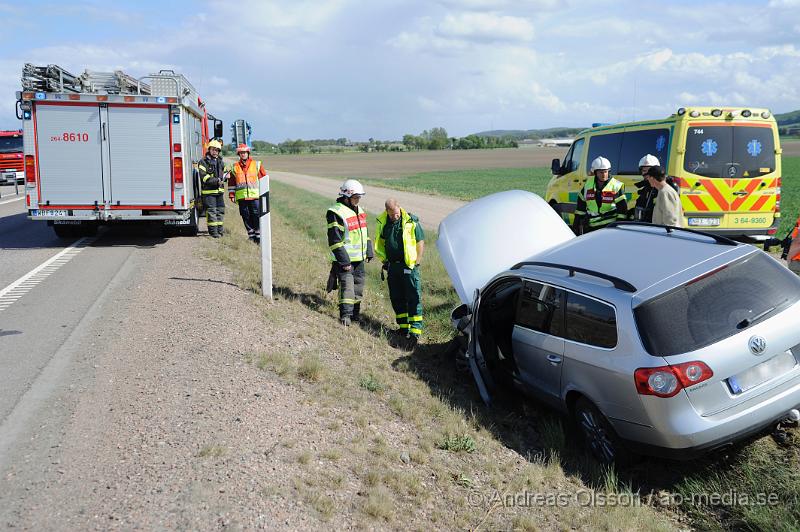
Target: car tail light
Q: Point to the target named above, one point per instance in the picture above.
(177, 170)
(666, 381)
(176, 147)
(30, 169)
(772, 231)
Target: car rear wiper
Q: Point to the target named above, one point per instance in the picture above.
(747, 321)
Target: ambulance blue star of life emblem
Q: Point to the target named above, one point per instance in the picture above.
(661, 141)
(754, 148)
(709, 147)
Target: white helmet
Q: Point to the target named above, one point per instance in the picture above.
(649, 160)
(601, 163)
(351, 187)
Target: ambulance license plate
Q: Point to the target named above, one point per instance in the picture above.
(704, 222)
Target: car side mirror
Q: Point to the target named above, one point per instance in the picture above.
(555, 167)
(218, 132)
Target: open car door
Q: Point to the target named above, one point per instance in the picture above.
(484, 238)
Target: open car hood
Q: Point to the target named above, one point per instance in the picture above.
(491, 234)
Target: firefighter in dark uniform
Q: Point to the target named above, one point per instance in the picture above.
(212, 187)
(350, 247)
(400, 244)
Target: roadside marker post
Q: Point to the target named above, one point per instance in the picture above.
(266, 237)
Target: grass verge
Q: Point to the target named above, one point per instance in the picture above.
(414, 446)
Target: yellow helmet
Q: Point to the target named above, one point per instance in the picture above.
(215, 144)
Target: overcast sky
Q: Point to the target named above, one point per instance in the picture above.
(356, 69)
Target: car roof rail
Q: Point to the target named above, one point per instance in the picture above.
(618, 283)
(723, 240)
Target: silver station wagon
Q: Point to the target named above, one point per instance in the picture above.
(655, 340)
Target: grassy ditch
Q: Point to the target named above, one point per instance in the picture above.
(415, 446)
(408, 441)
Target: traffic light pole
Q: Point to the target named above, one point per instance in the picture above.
(266, 237)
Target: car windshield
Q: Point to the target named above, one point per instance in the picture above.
(10, 144)
(716, 305)
(729, 151)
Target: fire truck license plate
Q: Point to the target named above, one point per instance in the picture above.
(49, 212)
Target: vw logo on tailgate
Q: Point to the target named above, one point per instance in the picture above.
(757, 345)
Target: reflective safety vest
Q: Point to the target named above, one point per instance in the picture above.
(244, 182)
(612, 194)
(355, 232)
(409, 238)
(794, 262)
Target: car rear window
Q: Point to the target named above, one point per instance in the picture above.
(715, 306)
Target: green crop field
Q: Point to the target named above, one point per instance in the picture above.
(790, 194)
(471, 184)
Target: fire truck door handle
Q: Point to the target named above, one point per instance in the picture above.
(740, 193)
(104, 132)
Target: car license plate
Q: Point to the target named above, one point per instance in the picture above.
(704, 222)
(750, 378)
(49, 213)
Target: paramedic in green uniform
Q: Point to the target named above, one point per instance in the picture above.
(400, 244)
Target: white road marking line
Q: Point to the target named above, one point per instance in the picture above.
(28, 282)
(12, 200)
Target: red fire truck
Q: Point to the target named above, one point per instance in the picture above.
(105, 148)
(11, 160)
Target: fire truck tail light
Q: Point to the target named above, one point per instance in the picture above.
(177, 170)
(30, 169)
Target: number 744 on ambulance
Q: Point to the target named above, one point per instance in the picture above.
(726, 163)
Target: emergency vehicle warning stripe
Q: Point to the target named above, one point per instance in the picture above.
(759, 203)
(751, 186)
(697, 201)
(712, 189)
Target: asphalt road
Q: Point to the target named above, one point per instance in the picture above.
(51, 291)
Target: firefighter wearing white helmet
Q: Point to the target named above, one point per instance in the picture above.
(350, 246)
(646, 198)
(212, 187)
(601, 200)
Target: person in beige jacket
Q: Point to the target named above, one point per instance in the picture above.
(668, 209)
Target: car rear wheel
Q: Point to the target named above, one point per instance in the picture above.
(598, 436)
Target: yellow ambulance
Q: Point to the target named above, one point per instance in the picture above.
(726, 162)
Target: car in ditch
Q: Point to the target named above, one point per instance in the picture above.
(654, 340)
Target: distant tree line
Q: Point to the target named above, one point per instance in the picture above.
(437, 139)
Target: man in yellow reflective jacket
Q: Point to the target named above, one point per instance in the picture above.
(601, 200)
(243, 189)
(400, 244)
(350, 246)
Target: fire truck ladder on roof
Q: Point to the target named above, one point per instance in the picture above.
(117, 82)
(50, 78)
(53, 78)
